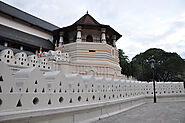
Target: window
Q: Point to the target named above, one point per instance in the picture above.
(92, 50)
(89, 38)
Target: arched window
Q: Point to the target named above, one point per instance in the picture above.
(89, 38)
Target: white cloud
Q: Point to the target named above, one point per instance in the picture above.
(143, 24)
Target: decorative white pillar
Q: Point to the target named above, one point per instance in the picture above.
(61, 39)
(36, 52)
(79, 35)
(114, 41)
(103, 38)
(6, 44)
(21, 47)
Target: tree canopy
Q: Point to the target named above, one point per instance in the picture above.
(124, 63)
(168, 66)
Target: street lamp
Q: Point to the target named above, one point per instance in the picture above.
(152, 67)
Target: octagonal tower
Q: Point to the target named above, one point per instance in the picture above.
(91, 47)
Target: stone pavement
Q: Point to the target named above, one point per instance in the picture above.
(163, 112)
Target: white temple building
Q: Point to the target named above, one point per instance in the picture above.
(75, 78)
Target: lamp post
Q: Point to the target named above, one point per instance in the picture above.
(152, 67)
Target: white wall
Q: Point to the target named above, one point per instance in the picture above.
(6, 21)
(31, 95)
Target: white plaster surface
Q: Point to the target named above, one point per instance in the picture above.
(35, 94)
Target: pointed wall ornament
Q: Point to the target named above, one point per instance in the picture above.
(43, 90)
(49, 102)
(11, 90)
(27, 90)
(0, 90)
(1, 78)
(19, 104)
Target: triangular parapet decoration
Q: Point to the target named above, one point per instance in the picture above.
(1, 78)
(27, 90)
(70, 101)
(36, 82)
(19, 104)
(43, 90)
(0, 90)
(11, 90)
(49, 102)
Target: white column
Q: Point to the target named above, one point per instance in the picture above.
(61, 39)
(103, 38)
(79, 35)
(36, 52)
(21, 47)
(6, 44)
(114, 41)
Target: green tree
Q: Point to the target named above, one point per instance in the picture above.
(124, 63)
(167, 65)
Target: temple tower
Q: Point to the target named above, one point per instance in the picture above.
(91, 47)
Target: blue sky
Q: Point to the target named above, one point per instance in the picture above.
(143, 24)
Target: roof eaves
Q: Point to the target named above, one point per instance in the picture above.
(28, 18)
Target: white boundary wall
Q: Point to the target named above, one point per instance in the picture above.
(32, 91)
(31, 96)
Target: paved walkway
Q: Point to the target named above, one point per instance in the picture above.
(164, 112)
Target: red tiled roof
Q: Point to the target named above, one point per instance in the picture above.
(87, 20)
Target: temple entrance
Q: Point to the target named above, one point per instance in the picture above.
(89, 38)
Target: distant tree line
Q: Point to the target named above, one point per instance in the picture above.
(168, 66)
